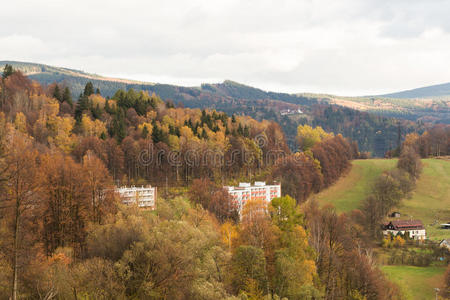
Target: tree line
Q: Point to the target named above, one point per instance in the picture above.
(140, 137)
(322, 160)
(373, 133)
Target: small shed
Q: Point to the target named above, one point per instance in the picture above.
(395, 214)
(445, 225)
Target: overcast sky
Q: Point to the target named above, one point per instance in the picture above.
(345, 47)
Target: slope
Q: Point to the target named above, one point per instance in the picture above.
(350, 190)
(430, 201)
(438, 90)
(416, 283)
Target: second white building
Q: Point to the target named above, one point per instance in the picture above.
(259, 191)
(143, 197)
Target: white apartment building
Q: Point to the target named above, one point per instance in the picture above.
(245, 191)
(143, 197)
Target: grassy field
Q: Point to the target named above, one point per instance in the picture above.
(430, 201)
(350, 190)
(416, 283)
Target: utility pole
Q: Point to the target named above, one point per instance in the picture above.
(167, 187)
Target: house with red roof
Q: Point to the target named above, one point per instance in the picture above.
(414, 228)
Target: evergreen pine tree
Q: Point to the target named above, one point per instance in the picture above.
(7, 71)
(107, 107)
(145, 132)
(195, 127)
(240, 130)
(96, 112)
(118, 129)
(170, 104)
(204, 134)
(57, 93)
(156, 135)
(82, 105)
(171, 129)
(88, 89)
(246, 132)
(140, 107)
(67, 96)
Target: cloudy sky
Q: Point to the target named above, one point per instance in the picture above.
(346, 47)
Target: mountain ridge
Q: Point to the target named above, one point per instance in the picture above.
(31, 68)
(227, 93)
(430, 91)
(372, 124)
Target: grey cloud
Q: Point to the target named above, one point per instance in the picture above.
(346, 46)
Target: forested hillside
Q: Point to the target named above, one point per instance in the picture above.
(64, 232)
(373, 132)
(423, 92)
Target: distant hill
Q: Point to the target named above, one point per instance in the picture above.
(367, 120)
(405, 105)
(432, 91)
(76, 80)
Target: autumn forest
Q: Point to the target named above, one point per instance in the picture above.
(64, 233)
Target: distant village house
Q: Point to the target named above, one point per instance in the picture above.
(445, 244)
(445, 225)
(414, 228)
(286, 112)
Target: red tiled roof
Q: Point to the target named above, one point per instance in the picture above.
(407, 224)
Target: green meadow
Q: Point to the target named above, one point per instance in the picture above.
(429, 202)
(416, 283)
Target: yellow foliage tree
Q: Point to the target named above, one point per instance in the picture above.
(60, 132)
(229, 233)
(20, 122)
(112, 103)
(98, 100)
(168, 121)
(398, 241)
(308, 136)
(186, 132)
(149, 127)
(411, 140)
(51, 108)
(92, 128)
(174, 142)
